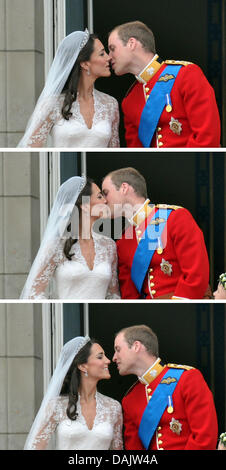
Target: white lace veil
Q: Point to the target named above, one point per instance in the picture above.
(67, 355)
(56, 230)
(63, 62)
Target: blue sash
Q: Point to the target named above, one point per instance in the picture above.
(146, 248)
(155, 104)
(157, 405)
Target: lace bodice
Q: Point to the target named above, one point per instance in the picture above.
(105, 434)
(74, 280)
(74, 132)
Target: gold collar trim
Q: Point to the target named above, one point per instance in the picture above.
(141, 214)
(149, 71)
(152, 373)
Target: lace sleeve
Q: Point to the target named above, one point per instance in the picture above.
(114, 141)
(45, 115)
(40, 134)
(113, 291)
(117, 441)
(40, 436)
(36, 285)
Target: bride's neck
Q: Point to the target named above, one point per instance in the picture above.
(85, 87)
(85, 228)
(87, 391)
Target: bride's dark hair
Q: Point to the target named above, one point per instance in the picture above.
(87, 191)
(72, 380)
(71, 85)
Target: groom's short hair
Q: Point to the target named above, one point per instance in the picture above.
(139, 31)
(145, 335)
(132, 177)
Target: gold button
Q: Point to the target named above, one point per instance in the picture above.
(152, 284)
(159, 129)
(159, 136)
(159, 442)
(149, 398)
(150, 270)
(153, 292)
(138, 232)
(160, 144)
(147, 89)
(149, 389)
(151, 277)
(161, 448)
(159, 428)
(159, 434)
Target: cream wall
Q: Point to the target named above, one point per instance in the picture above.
(21, 375)
(19, 219)
(21, 65)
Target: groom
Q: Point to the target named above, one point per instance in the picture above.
(170, 407)
(162, 253)
(171, 103)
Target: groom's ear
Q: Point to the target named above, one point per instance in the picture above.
(137, 346)
(132, 43)
(124, 188)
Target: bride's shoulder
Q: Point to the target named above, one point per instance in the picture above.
(110, 402)
(106, 241)
(104, 97)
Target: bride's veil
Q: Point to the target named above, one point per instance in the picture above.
(39, 428)
(59, 72)
(56, 230)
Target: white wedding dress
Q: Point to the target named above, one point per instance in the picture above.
(74, 279)
(105, 434)
(74, 132)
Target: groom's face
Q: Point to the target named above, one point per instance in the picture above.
(113, 196)
(123, 356)
(119, 54)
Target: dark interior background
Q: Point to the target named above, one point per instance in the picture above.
(189, 179)
(183, 30)
(191, 334)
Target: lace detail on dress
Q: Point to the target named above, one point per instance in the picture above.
(74, 132)
(40, 283)
(106, 432)
(73, 279)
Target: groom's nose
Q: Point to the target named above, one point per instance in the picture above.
(114, 357)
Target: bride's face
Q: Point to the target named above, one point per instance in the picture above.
(99, 62)
(97, 364)
(98, 207)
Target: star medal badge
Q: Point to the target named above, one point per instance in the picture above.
(175, 126)
(166, 267)
(175, 426)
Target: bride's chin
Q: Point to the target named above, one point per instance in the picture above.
(107, 73)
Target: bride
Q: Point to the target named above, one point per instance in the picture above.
(81, 263)
(73, 414)
(70, 112)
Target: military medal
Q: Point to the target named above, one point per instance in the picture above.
(170, 407)
(169, 108)
(169, 104)
(159, 247)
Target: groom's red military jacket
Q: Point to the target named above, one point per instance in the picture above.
(192, 425)
(181, 270)
(194, 119)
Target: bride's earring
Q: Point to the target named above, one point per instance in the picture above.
(86, 373)
(88, 72)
